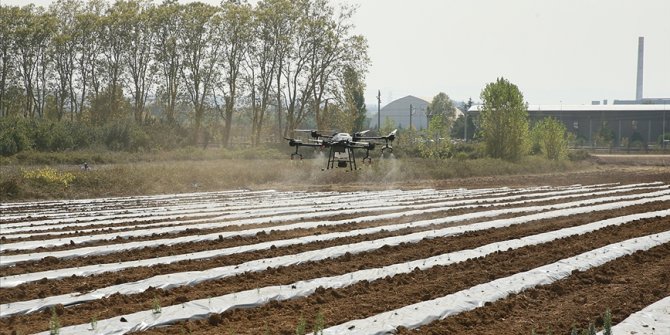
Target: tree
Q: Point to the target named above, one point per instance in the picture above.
(139, 38)
(34, 30)
(262, 66)
(87, 34)
(7, 56)
(165, 20)
(114, 50)
(550, 135)
(441, 114)
(354, 99)
(436, 144)
(236, 34)
(199, 45)
(504, 120)
(63, 54)
(458, 129)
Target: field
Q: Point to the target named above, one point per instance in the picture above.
(487, 255)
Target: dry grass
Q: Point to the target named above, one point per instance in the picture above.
(202, 172)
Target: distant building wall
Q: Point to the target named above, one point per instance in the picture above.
(399, 110)
(642, 122)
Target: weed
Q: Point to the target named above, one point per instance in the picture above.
(592, 329)
(607, 322)
(54, 322)
(302, 327)
(319, 323)
(94, 323)
(156, 305)
(574, 330)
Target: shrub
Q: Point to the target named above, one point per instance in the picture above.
(49, 175)
(549, 138)
(14, 136)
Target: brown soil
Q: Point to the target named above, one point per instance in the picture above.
(625, 285)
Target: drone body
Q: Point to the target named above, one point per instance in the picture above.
(343, 144)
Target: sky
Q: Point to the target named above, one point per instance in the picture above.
(555, 51)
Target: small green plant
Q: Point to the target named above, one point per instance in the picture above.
(156, 305)
(319, 323)
(607, 322)
(94, 322)
(592, 329)
(54, 322)
(302, 327)
(574, 330)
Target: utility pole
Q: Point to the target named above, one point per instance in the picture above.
(379, 114)
(465, 132)
(411, 111)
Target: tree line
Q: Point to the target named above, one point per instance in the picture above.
(271, 66)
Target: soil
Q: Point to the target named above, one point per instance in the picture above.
(625, 285)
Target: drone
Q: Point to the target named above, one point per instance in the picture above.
(343, 144)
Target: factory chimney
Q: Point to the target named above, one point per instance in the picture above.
(640, 68)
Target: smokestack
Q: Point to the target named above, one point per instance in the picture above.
(640, 67)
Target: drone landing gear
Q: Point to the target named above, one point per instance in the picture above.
(341, 162)
(296, 153)
(367, 157)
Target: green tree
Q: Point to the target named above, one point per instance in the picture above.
(354, 101)
(442, 105)
(605, 136)
(441, 115)
(7, 55)
(200, 45)
(34, 30)
(63, 53)
(504, 120)
(139, 38)
(165, 20)
(458, 129)
(236, 33)
(550, 137)
(88, 37)
(436, 144)
(263, 65)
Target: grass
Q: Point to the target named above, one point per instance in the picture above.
(59, 175)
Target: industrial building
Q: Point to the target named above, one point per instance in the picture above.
(404, 112)
(640, 121)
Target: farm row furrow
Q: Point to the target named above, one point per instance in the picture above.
(100, 250)
(404, 200)
(282, 203)
(255, 262)
(411, 283)
(36, 286)
(624, 286)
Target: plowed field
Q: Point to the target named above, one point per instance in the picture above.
(538, 254)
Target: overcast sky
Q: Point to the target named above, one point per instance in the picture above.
(567, 51)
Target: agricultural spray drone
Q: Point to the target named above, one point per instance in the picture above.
(342, 145)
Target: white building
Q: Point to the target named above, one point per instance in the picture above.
(399, 112)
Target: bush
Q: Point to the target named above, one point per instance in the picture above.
(578, 155)
(14, 136)
(9, 189)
